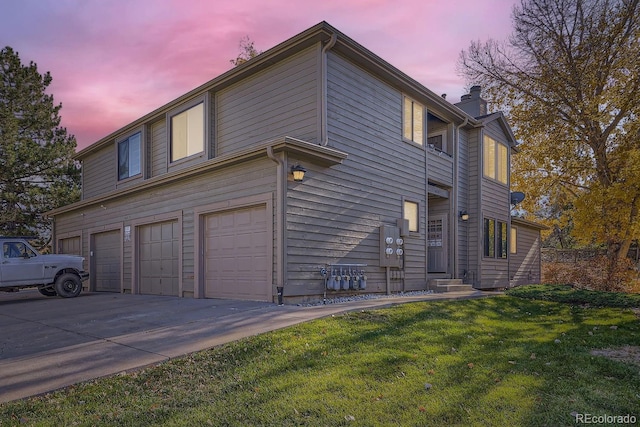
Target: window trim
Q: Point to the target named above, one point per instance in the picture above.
(498, 168)
(126, 137)
(204, 100)
(498, 247)
(406, 200)
(411, 140)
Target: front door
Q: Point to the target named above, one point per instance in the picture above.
(437, 244)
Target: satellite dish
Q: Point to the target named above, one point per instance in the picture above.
(517, 197)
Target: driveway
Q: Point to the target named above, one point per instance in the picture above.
(50, 343)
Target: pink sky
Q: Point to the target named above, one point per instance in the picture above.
(114, 61)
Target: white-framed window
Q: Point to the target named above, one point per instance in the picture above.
(410, 212)
(513, 240)
(438, 140)
(413, 121)
(187, 130)
(129, 157)
(496, 160)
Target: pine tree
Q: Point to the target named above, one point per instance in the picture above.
(37, 172)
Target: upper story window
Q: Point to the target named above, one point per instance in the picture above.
(413, 121)
(496, 165)
(129, 159)
(187, 132)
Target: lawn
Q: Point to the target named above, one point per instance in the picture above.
(522, 359)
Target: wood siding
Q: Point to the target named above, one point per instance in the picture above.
(524, 265)
(335, 215)
(255, 177)
(495, 205)
(99, 172)
(157, 150)
(282, 100)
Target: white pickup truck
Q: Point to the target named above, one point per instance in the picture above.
(22, 266)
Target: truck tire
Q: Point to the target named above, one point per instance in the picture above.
(48, 292)
(68, 285)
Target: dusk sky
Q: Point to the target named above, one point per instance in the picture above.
(113, 61)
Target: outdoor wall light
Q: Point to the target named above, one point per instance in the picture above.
(298, 173)
(464, 216)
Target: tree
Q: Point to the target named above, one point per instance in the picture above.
(37, 172)
(247, 51)
(569, 80)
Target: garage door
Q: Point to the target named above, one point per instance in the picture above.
(237, 263)
(106, 262)
(158, 254)
(70, 246)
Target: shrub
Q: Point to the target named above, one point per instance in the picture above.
(598, 273)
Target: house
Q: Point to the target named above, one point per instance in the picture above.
(403, 190)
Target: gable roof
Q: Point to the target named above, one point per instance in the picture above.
(502, 121)
(320, 33)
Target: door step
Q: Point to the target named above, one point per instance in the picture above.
(448, 285)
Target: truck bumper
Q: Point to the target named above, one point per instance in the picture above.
(84, 275)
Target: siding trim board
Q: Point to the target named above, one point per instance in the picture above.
(313, 153)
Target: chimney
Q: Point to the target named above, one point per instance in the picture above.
(472, 103)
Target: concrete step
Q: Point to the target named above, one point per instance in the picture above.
(448, 285)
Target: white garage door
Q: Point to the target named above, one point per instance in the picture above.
(237, 263)
(158, 250)
(106, 261)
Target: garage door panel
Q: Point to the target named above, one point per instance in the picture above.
(106, 262)
(159, 255)
(236, 254)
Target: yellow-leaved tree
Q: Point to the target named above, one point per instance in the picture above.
(568, 78)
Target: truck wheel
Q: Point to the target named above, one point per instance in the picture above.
(68, 285)
(48, 292)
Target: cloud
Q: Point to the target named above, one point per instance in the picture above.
(112, 62)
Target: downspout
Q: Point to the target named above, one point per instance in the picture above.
(281, 209)
(456, 204)
(324, 137)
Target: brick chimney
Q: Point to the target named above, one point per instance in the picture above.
(472, 103)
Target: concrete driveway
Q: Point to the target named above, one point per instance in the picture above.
(50, 343)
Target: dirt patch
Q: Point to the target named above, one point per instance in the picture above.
(627, 354)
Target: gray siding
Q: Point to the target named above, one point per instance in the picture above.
(463, 202)
(474, 225)
(157, 149)
(524, 265)
(440, 167)
(495, 205)
(282, 100)
(335, 215)
(99, 172)
(252, 178)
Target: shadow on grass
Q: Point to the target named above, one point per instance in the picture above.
(492, 361)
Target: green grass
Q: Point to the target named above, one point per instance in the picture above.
(493, 361)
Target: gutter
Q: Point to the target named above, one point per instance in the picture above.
(324, 137)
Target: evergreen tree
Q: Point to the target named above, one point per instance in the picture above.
(37, 172)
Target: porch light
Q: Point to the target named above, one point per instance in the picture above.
(298, 173)
(464, 216)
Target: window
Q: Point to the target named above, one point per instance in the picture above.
(502, 239)
(410, 213)
(16, 250)
(496, 165)
(187, 132)
(513, 241)
(495, 238)
(413, 121)
(129, 157)
(489, 238)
